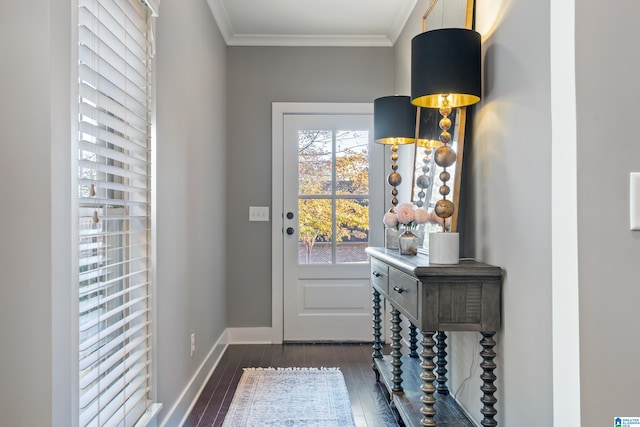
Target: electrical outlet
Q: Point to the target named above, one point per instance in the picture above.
(258, 213)
(193, 343)
(634, 201)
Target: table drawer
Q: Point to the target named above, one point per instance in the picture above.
(380, 275)
(403, 290)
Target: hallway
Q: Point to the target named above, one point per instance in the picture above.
(354, 360)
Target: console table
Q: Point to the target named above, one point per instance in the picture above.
(434, 299)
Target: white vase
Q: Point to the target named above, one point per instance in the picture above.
(444, 248)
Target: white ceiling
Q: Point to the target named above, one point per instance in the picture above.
(311, 22)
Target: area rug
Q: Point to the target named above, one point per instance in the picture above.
(290, 397)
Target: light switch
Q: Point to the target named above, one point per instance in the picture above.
(634, 200)
(258, 213)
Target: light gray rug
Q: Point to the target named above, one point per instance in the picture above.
(290, 397)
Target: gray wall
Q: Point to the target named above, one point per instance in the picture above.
(36, 361)
(509, 203)
(511, 169)
(190, 269)
(258, 76)
(35, 229)
(512, 209)
(607, 91)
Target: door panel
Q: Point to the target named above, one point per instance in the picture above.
(326, 197)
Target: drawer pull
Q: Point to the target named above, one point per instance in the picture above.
(398, 289)
(376, 274)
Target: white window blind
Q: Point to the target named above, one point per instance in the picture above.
(114, 212)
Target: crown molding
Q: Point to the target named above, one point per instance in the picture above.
(225, 26)
(306, 40)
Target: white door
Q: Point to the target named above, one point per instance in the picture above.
(327, 196)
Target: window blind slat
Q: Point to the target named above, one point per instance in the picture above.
(132, 407)
(104, 154)
(108, 63)
(106, 317)
(90, 358)
(101, 286)
(94, 379)
(112, 401)
(106, 33)
(112, 385)
(112, 15)
(113, 398)
(106, 270)
(91, 96)
(112, 170)
(103, 85)
(91, 303)
(135, 406)
(114, 88)
(87, 250)
(112, 217)
(140, 150)
(93, 340)
(120, 75)
(110, 202)
(112, 122)
(106, 386)
(130, 233)
(130, 190)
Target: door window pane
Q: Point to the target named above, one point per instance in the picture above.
(352, 231)
(333, 196)
(315, 231)
(352, 162)
(315, 161)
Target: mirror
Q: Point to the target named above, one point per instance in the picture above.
(426, 174)
(440, 14)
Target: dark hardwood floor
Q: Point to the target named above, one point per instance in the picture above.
(370, 408)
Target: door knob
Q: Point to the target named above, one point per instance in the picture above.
(289, 215)
(290, 231)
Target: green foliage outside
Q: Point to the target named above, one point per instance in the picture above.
(322, 181)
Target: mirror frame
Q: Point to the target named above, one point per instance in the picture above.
(458, 136)
(459, 139)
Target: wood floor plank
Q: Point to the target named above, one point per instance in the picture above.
(354, 360)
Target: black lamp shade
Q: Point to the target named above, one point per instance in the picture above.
(446, 61)
(394, 120)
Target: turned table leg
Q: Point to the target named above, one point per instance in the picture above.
(377, 326)
(488, 377)
(395, 350)
(441, 339)
(377, 334)
(413, 341)
(427, 376)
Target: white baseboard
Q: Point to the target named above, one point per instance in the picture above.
(250, 335)
(180, 410)
(473, 420)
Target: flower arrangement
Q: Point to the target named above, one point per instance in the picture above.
(406, 214)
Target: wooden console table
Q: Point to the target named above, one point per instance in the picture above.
(434, 299)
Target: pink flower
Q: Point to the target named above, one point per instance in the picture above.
(405, 213)
(390, 220)
(421, 215)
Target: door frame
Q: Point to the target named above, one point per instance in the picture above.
(278, 111)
